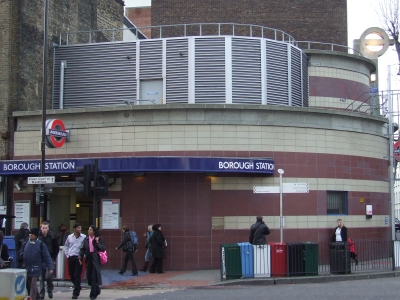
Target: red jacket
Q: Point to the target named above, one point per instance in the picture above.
(350, 245)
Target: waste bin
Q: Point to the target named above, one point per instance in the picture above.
(311, 259)
(262, 260)
(246, 257)
(295, 259)
(231, 267)
(12, 284)
(339, 258)
(60, 264)
(9, 241)
(278, 259)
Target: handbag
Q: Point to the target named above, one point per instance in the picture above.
(103, 257)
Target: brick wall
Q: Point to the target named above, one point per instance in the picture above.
(140, 16)
(21, 48)
(311, 20)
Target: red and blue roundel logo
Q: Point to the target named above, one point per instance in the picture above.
(56, 134)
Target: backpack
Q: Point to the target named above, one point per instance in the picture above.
(134, 238)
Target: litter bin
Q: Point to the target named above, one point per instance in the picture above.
(295, 259)
(262, 260)
(9, 241)
(12, 284)
(246, 257)
(278, 259)
(231, 267)
(339, 258)
(311, 259)
(60, 264)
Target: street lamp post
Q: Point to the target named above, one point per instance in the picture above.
(280, 171)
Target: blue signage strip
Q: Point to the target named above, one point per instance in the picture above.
(144, 164)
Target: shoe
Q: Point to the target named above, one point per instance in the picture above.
(50, 294)
(74, 297)
(122, 273)
(136, 274)
(161, 272)
(92, 298)
(151, 271)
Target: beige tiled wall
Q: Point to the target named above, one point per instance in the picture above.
(339, 73)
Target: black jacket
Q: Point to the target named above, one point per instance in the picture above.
(51, 243)
(258, 231)
(92, 264)
(4, 252)
(157, 244)
(127, 240)
(21, 235)
(343, 234)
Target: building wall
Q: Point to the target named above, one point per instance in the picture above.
(305, 20)
(141, 17)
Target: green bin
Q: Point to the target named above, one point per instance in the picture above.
(311, 259)
(231, 264)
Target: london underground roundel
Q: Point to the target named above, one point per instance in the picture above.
(56, 134)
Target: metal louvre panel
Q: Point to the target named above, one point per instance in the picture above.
(150, 59)
(262, 260)
(210, 70)
(246, 71)
(295, 75)
(96, 75)
(177, 71)
(277, 73)
(305, 81)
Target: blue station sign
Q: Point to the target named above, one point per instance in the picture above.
(144, 164)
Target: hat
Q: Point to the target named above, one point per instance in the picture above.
(259, 218)
(34, 231)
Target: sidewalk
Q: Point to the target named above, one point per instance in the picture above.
(212, 278)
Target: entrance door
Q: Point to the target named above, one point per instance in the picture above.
(151, 91)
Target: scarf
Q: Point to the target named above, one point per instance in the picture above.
(91, 248)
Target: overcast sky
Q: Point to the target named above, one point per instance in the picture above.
(361, 16)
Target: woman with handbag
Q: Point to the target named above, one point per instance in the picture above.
(129, 247)
(90, 247)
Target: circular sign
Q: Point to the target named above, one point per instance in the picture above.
(20, 284)
(56, 134)
(383, 42)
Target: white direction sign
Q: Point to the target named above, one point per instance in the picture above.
(41, 180)
(295, 187)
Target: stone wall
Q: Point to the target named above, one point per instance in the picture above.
(21, 49)
(305, 20)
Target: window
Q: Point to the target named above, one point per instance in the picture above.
(337, 203)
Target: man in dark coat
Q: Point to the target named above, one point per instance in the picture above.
(48, 238)
(35, 257)
(157, 242)
(21, 235)
(258, 231)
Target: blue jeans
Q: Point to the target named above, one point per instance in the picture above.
(147, 256)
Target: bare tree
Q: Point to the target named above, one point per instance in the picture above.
(389, 18)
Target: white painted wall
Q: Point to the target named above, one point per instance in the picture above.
(137, 3)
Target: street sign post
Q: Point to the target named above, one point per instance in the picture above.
(41, 180)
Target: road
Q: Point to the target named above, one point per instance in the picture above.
(386, 288)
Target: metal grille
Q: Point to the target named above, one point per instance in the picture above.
(262, 260)
(277, 73)
(210, 70)
(96, 75)
(337, 203)
(304, 79)
(177, 71)
(246, 71)
(150, 59)
(295, 74)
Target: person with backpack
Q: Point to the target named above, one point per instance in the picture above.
(35, 258)
(128, 245)
(258, 231)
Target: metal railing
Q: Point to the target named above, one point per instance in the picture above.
(308, 45)
(177, 30)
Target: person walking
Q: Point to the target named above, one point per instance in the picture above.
(91, 245)
(258, 231)
(352, 248)
(62, 234)
(48, 238)
(5, 258)
(128, 245)
(35, 258)
(22, 235)
(340, 232)
(71, 249)
(147, 245)
(157, 241)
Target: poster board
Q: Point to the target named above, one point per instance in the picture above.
(22, 212)
(110, 214)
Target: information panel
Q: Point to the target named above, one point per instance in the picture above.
(22, 211)
(110, 214)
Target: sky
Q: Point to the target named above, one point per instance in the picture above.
(361, 14)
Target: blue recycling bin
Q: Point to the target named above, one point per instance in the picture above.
(246, 256)
(9, 241)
